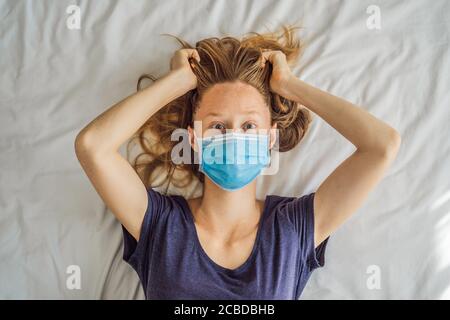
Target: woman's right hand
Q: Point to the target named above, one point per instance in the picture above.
(180, 65)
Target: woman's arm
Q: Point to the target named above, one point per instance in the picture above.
(348, 186)
(98, 143)
(361, 128)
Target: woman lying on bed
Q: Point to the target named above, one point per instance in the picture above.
(246, 105)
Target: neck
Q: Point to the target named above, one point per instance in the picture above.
(230, 209)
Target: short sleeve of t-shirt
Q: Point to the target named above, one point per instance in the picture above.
(300, 212)
(136, 253)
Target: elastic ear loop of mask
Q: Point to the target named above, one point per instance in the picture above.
(199, 143)
(271, 147)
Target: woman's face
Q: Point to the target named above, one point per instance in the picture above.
(227, 107)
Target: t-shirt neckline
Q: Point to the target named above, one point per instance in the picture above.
(203, 253)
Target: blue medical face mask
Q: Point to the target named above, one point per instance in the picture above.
(233, 160)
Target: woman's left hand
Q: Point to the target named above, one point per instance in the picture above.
(281, 73)
(181, 65)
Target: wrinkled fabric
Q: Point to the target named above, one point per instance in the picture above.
(55, 80)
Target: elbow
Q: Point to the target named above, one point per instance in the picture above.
(87, 145)
(392, 145)
(388, 147)
(395, 141)
(83, 144)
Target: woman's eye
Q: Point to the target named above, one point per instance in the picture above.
(218, 126)
(249, 126)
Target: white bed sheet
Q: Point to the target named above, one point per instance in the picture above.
(55, 80)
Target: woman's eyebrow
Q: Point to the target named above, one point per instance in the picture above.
(253, 112)
(212, 114)
(218, 114)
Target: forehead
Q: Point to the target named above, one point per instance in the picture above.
(231, 98)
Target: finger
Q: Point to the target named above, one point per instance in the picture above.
(191, 53)
(185, 53)
(274, 56)
(270, 53)
(266, 56)
(196, 55)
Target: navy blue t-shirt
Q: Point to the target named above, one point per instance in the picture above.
(172, 264)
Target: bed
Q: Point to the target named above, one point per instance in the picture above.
(58, 72)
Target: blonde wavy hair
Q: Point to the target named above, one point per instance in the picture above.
(225, 59)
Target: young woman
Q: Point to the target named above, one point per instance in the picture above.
(227, 244)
